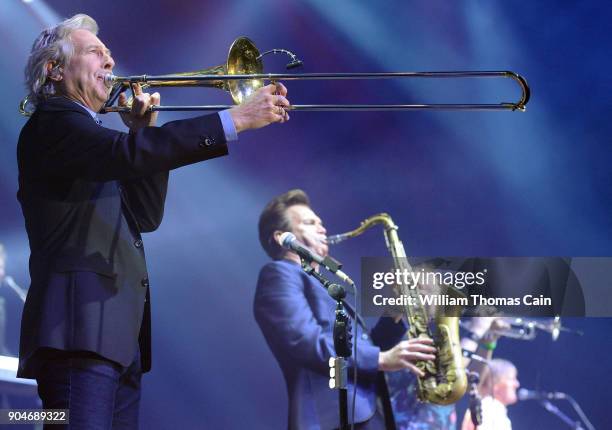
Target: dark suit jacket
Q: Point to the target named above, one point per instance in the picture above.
(296, 316)
(87, 193)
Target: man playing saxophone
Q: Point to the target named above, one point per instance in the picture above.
(296, 315)
(427, 403)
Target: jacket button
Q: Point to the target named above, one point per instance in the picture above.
(145, 282)
(138, 243)
(208, 141)
(364, 336)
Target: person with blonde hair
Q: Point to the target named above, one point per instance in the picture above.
(498, 385)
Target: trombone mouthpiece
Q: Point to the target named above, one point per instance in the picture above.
(109, 80)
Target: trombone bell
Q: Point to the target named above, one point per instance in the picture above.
(242, 59)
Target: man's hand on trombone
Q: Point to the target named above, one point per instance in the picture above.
(263, 107)
(139, 116)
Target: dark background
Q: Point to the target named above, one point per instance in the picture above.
(457, 183)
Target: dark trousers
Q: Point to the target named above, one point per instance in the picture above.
(377, 422)
(100, 394)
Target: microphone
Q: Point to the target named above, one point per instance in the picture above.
(524, 394)
(289, 241)
(295, 61)
(294, 64)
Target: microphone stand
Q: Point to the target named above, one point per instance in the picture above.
(556, 411)
(475, 403)
(342, 343)
(577, 425)
(10, 282)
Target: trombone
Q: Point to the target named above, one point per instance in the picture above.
(242, 75)
(527, 329)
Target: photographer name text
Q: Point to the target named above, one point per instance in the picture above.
(472, 300)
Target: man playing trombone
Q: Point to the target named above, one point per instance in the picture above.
(87, 193)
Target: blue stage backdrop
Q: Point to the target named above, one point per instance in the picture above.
(457, 183)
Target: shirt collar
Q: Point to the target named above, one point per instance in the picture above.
(93, 114)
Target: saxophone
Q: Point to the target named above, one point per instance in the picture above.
(445, 380)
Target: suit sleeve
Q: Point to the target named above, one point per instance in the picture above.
(75, 147)
(146, 198)
(290, 327)
(387, 333)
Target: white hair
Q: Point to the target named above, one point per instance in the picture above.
(52, 45)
